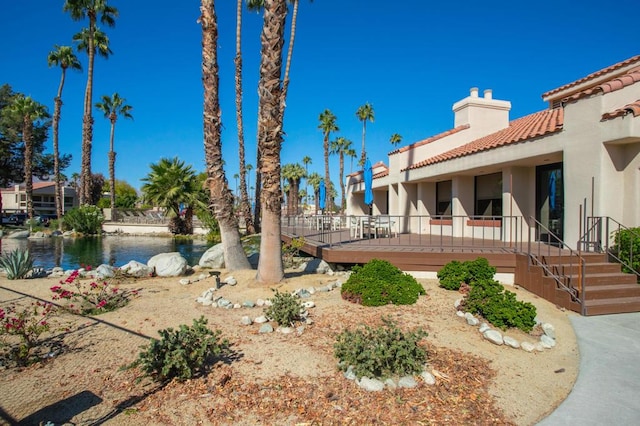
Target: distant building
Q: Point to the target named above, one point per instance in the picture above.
(14, 199)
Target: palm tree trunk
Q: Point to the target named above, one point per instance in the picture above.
(27, 131)
(245, 207)
(363, 155)
(327, 178)
(112, 163)
(56, 152)
(292, 37)
(220, 195)
(270, 267)
(87, 121)
(342, 201)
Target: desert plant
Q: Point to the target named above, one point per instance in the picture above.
(381, 352)
(84, 219)
(21, 328)
(499, 306)
(89, 297)
(17, 263)
(285, 309)
(291, 250)
(181, 353)
(379, 283)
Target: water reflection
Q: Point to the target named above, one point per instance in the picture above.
(70, 253)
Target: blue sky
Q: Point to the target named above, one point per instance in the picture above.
(411, 60)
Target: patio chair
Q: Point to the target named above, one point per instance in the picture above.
(355, 227)
(382, 226)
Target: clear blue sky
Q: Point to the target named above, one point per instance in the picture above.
(411, 60)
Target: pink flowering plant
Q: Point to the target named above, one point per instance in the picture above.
(90, 297)
(21, 329)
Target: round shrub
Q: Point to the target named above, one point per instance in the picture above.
(379, 283)
(285, 309)
(452, 275)
(478, 270)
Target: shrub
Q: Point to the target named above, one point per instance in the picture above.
(454, 273)
(379, 283)
(21, 328)
(285, 309)
(17, 263)
(91, 298)
(291, 249)
(499, 306)
(381, 352)
(627, 248)
(182, 353)
(84, 219)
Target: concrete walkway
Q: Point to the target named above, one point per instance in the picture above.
(607, 391)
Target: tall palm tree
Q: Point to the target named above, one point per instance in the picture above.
(351, 153)
(112, 107)
(221, 197)
(339, 147)
(364, 113)
(28, 111)
(314, 180)
(63, 57)
(93, 10)
(395, 139)
(294, 174)
(327, 125)
(270, 267)
(306, 160)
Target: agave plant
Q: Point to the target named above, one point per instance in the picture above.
(17, 263)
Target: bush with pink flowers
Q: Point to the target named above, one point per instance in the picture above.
(21, 328)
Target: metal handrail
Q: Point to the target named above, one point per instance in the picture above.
(564, 280)
(602, 233)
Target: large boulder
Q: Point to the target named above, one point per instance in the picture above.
(213, 258)
(18, 234)
(168, 264)
(136, 269)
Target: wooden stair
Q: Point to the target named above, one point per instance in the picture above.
(607, 290)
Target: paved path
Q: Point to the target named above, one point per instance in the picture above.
(607, 391)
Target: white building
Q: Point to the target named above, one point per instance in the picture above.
(14, 199)
(580, 157)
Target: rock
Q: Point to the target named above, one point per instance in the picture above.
(539, 347)
(245, 320)
(457, 303)
(407, 382)
(18, 235)
(248, 304)
(494, 337)
(105, 271)
(136, 269)
(185, 281)
(460, 314)
(471, 320)
(168, 264)
(261, 319)
(308, 304)
(547, 341)
(484, 327)
(527, 346)
(284, 330)
(266, 328)
(208, 302)
(56, 233)
(260, 302)
(370, 385)
(349, 374)
(213, 257)
(322, 289)
(511, 342)
(300, 330)
(302, 293)
(390, 384)
(38, 235)
(549, 330)
(68, 233)
(223, 303)
(428, 378)
(202, 277)
(57, 272)
(230, 281)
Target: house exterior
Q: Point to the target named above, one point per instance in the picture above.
(14, 199)
(541, 174)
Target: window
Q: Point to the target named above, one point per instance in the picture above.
(488, 195)
(443, 198)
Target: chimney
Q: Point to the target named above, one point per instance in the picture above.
(485, 115)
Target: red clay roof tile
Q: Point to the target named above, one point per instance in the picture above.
(526, 128)
(632, 108)
(430, 139)
(617, 83)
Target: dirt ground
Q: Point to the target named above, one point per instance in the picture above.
(280, 378)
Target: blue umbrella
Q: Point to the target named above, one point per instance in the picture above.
(322, 195)
(368, 183)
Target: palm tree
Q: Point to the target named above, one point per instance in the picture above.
(112, 107)
(28, 111)
(306, 160)
(221, 197)
(92, 43)
(294, 174)
(270, 267)
(364, 113)
(351, 153)
(395, 139)
(169, 184)
(314, 180)
(339, 147)
(63, 57)
(328, 125)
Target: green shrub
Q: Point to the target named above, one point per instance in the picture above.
(499, 306)
(84, 219)
(285, 309)
(379, 283)
(627, 248)
(182, 353)
(381, 352)
(291, 250)
(17, 263)
(454, 273)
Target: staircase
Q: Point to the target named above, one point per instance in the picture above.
(558, 278)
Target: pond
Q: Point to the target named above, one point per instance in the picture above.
(72, 253)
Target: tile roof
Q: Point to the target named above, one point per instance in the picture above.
(381, 174)
(632, 108)
(617, 83)
(594, 75)
(430, 139)
(528, 127)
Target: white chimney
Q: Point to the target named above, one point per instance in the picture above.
(473, 92)
(488, 94)
(485, 115)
